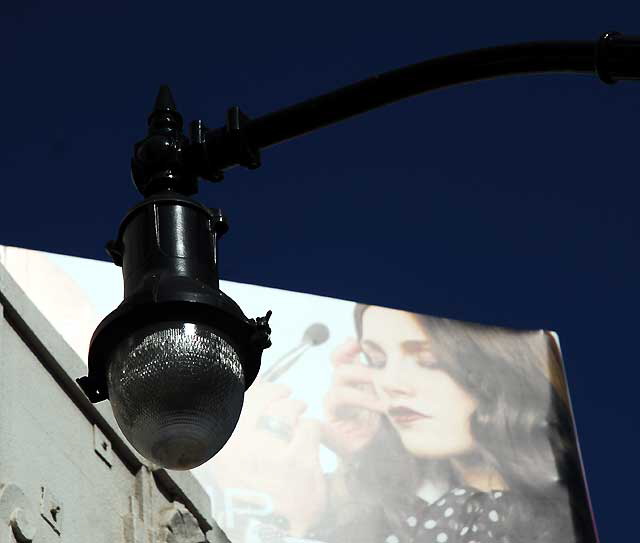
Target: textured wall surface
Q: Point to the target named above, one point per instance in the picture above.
(66, 472)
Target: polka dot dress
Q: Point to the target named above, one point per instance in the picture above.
(463, 515)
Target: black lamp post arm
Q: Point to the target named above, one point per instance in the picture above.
(613, 57)
(166, 160)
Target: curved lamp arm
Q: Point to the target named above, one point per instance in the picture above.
(613, 57)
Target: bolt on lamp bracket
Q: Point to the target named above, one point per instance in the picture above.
(232, 141)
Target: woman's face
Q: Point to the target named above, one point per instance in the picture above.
(430, 411)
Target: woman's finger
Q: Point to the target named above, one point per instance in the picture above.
(288, 410)
(353, 374)
(306, 438)
(280, 419)
(262, 394)
(349, 396)
(268, 392)
(345, 353)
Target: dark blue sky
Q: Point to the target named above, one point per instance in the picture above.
(511, 202)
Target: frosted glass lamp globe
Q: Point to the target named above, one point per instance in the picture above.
(176, 390)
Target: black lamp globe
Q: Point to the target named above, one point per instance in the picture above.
(177, 355)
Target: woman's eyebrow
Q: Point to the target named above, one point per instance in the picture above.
(415, 345)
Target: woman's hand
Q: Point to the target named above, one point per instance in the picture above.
(352, 408)
(273, 456)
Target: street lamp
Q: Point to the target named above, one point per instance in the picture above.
(176, 356)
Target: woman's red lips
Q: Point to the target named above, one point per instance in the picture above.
(404, 415)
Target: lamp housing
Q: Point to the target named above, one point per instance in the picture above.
(176, 356)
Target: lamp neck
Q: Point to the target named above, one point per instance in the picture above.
(165, 239)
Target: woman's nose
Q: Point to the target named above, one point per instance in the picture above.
(394, 382)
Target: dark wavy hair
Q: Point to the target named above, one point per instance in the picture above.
(522, 428)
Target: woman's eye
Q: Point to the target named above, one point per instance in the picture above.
(427, 362)
(371, 361)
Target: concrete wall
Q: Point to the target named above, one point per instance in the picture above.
(66, 472)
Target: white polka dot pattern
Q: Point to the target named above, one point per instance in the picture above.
(463, 515)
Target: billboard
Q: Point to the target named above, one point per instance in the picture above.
(371, 424)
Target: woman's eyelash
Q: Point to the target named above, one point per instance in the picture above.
(378, 363)
(367, 360)
(427, 363)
